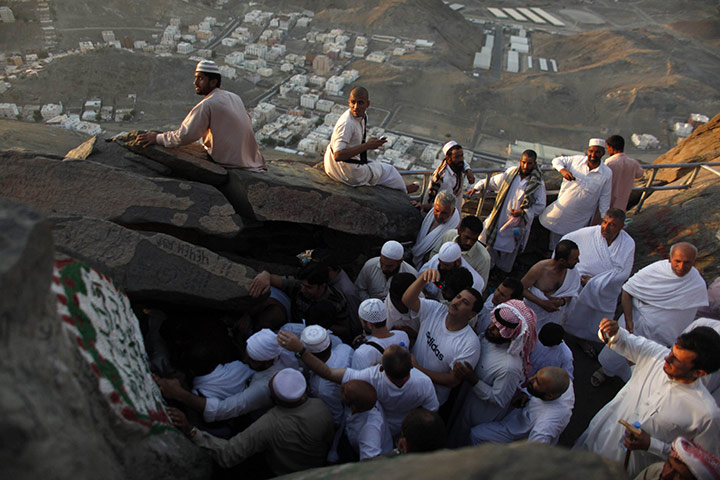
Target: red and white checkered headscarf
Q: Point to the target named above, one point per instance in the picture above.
(702, 464)
(518, 322)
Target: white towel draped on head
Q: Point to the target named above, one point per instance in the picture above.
(263, 346)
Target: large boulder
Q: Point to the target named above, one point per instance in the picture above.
(113, 155)
(81, 187)
(523, 460)
(189, 161)
(298, 193)
(155, 266)
(75, 390)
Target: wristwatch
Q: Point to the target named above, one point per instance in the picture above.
(299, 354)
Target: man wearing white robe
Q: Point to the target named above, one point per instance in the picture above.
(444, 217)
(521, 197)
(586, 187)
(399, 316)
(663, 394)
(346, 155)
(658, 302)
(490, 386)
(543, 417)
(550, 285)
(448, 257)
(373, 281)
(607, 253)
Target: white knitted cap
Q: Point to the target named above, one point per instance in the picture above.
(372, 310)
(596, 142)
(207, 66)
(448, 146)
(315, 338)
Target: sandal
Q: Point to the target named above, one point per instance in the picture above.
(598, 378)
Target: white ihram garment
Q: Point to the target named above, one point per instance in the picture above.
(609, 266)
(663, 305)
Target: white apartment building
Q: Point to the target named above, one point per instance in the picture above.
(324, 105)
(334, 85)
(309, 100)
(9, 110)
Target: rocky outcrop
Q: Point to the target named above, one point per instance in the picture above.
(690, 215)
(298, 193)
(703, 145)
(488, 462)
(81, 187)
(190, 161)
(155, 266)
(75, 389)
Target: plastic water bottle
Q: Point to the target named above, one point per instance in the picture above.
(637, 425)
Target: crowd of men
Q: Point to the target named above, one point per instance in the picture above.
(422, 350)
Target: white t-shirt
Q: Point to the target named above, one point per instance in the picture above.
(367, 355)
(368, 432)
(437, 348)
(396, 319)
(396, 401)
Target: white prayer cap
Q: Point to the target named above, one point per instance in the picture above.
(372, 310)
(449, 252)
(289, 385)
(263, 346)
(315, 338)
(207, 66)
(596, 142)
(701, 463)
(448, 146)
(392, 250)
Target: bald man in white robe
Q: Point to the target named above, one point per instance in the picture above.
(543, 416)
(658, 302)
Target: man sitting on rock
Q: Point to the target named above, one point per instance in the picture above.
(220, 120)
(346, 155)
(309, 292)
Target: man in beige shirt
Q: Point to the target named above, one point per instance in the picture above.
(220, 120)
(624, 172)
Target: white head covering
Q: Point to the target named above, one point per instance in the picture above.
(315, 338)
(449, 252)
(596, 142)
(392, 250)
(448, 146)
(207, 66)
(701, 463)
(289, 385)
(263, 346)
(372, 310)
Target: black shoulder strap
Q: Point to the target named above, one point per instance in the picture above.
(375, 345)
